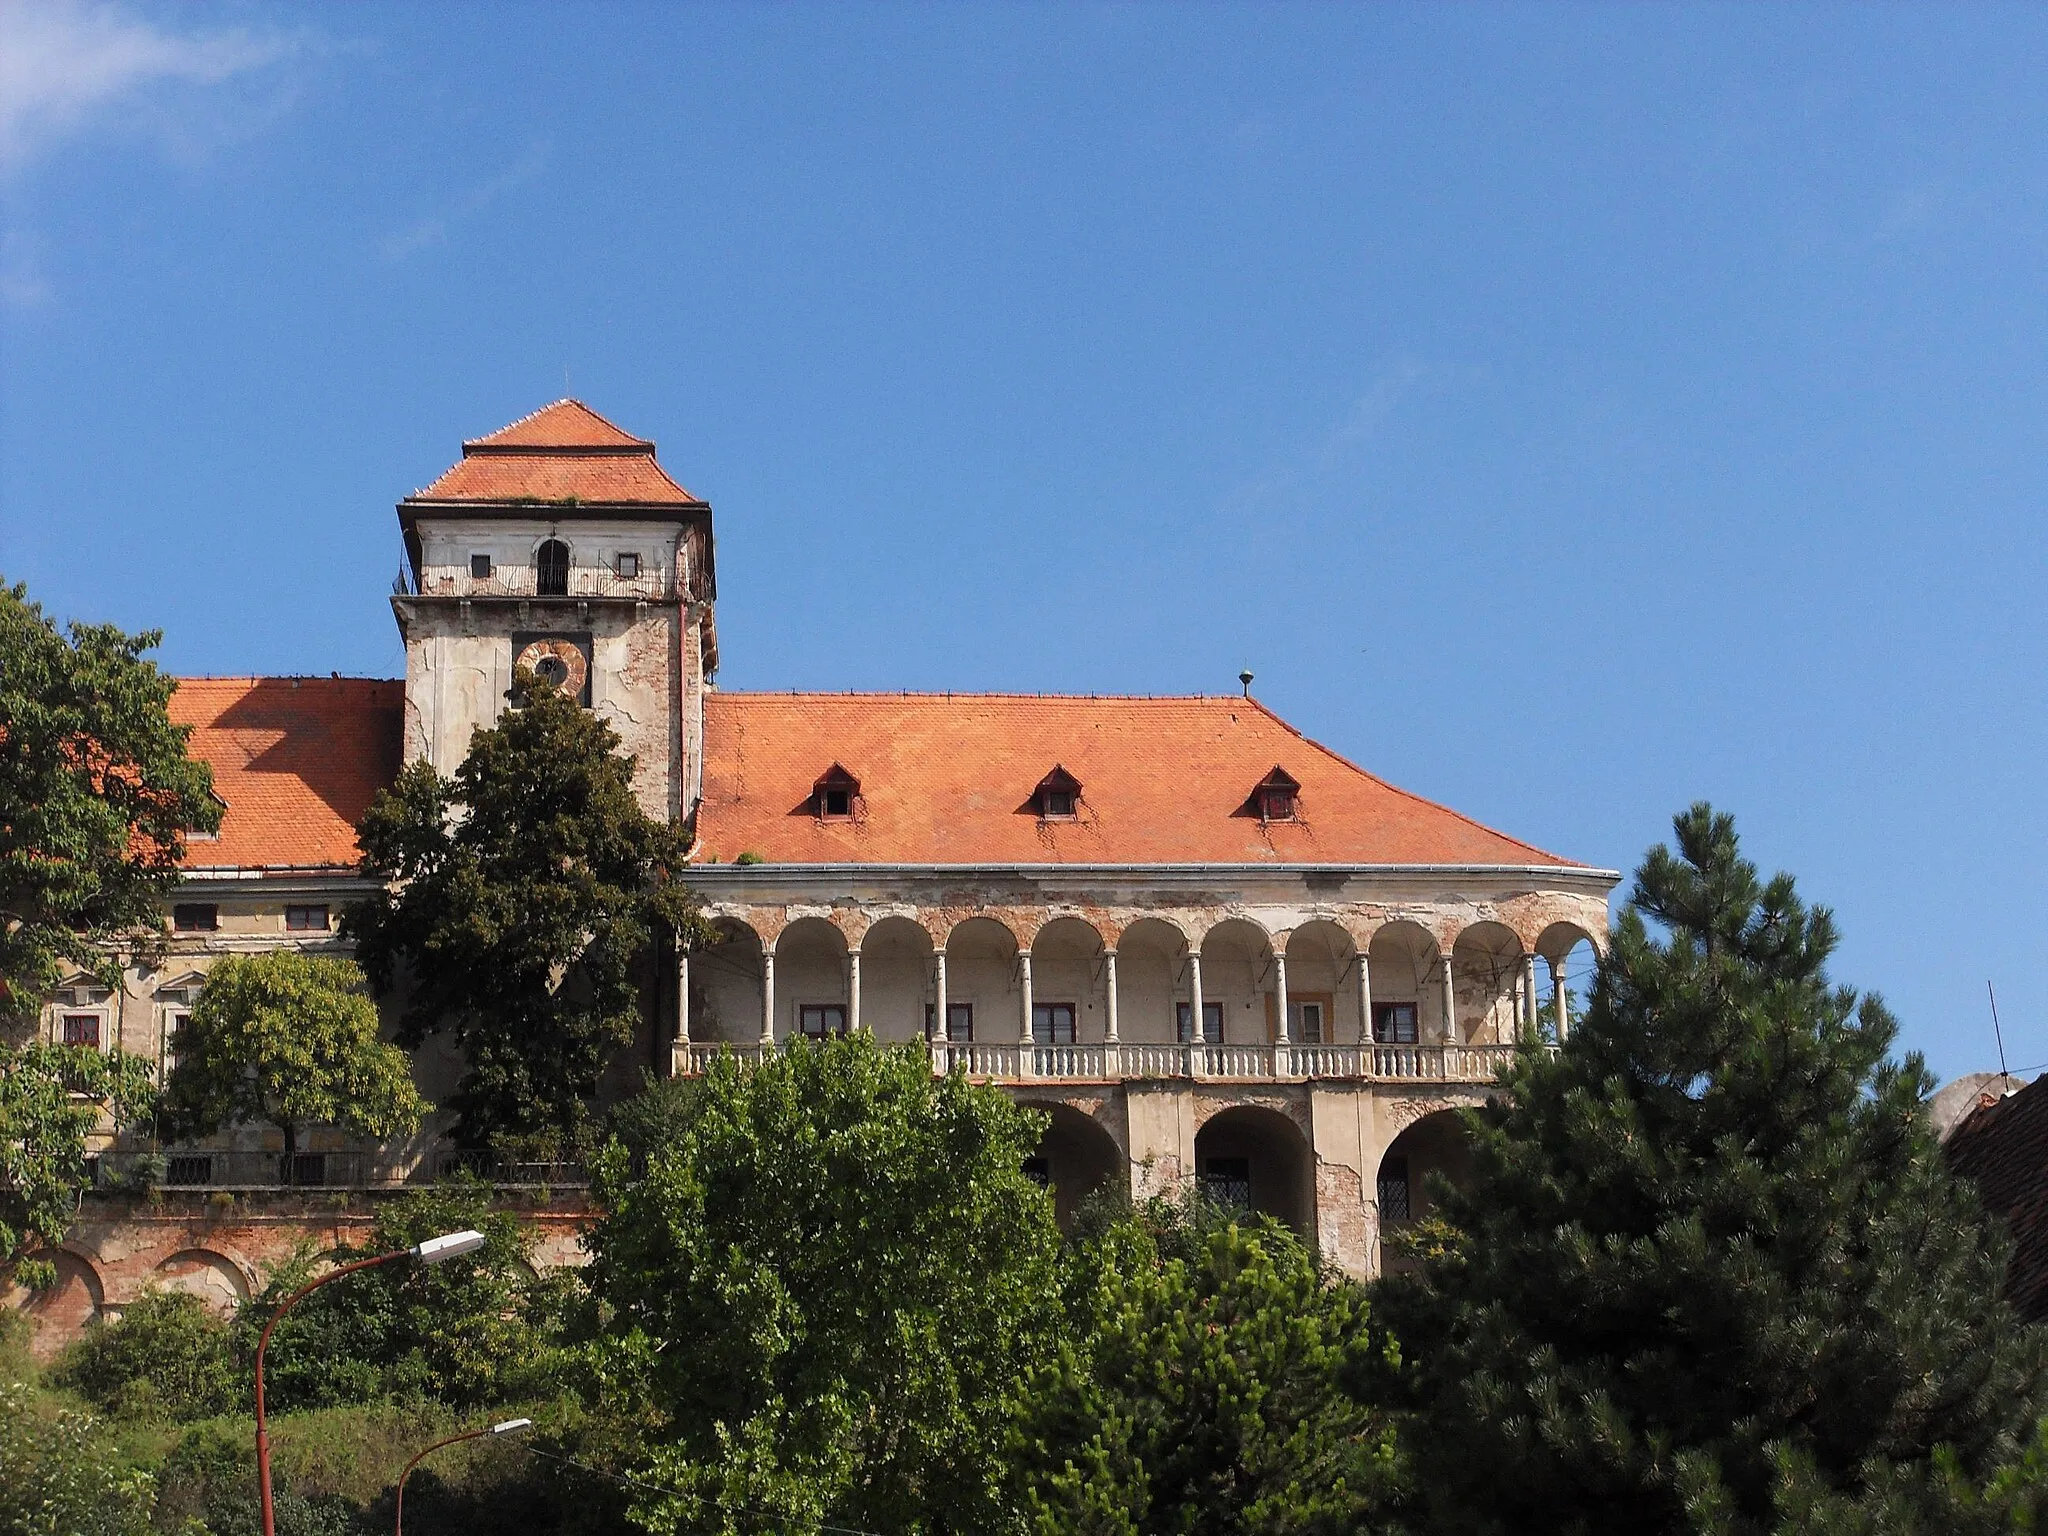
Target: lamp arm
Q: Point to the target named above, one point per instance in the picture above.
(468, 1434)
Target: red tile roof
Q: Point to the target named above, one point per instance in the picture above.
(2003, 1149)
(297, 759)
(562, 452)
(948, 779)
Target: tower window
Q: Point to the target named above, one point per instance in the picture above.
(628, 565)
(480, 567)
(551, 569)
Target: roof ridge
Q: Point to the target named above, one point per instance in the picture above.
(1406, 794)
(279, 677)
(972, 693)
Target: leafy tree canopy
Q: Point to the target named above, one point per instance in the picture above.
(52, 1097)
(520, 901)
(96, 795)
(1710, 1271)
(1209, 1384)
(291, 1040)
(828, 1288)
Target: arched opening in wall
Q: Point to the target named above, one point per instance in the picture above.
(59, 1313)
(551, 569)
(1076, 1158)
(810, 981)
(983, 996)
(1568, 961)
(1237, 979)
(895, 980)
(1322, 985)
(1488, 963)
(725, 986)
(1435, 1145)
(214, 1278)
(1407, 993)
(1151, 979)
(1066, 983)
(1257, 1159)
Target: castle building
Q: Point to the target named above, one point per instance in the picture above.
(1210, 948)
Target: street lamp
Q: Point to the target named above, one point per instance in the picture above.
(435, 1250)
(509, 1427)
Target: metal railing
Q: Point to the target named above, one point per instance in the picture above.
(1101, 1062)
(182, 1169)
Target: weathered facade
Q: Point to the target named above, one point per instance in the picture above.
(1209, 947)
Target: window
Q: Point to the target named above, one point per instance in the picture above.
(1393, 1024)
(628, 565)
(1279, 805)
(305, 919)
(1038, 1171)
(302, 1170)
(1058, 796)
(814, 1021)
(195, 917)
(1052, 1023)
(82, 1029)
(1305, 1023)
(1394, 1204)
(174, 1020)
(551, 569)
(959, 1021)
(1273, 799)
(833, 794)
(480, 567)
(1227, 1181)
(1212, 1023)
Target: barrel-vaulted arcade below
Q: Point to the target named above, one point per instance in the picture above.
(1211, 948)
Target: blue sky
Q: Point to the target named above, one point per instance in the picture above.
(1568, 412)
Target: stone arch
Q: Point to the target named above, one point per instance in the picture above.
(1487, 961)
(810, 972)
(1407, 972)
(725, 984)
(60, 1312)
(1238, 975)
(1322, 982)
(1151, 977)
(1436, 1144)
(982, 975)
(1077, 1157)
(1571, 955)
(1067, 971)
(1257, 1157)
(895, 978)
(213, 1277)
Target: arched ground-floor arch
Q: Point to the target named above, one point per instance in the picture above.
(1078, 1157)
(1435, 1146)
(1258, 1158)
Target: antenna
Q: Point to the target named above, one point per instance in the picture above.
(1997, 1033)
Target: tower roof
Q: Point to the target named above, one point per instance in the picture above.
(564, 454)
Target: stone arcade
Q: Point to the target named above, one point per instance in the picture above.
(1209, 947)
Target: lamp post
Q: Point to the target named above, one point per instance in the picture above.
(509, 1427)
(435, 1250)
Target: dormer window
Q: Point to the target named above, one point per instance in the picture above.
(551, 569)
(1276, 795)
(1058, 796)
(833, 795)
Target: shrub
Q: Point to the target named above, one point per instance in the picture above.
(166, 1356)
(56, 1478)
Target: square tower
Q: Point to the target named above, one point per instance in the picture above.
(559, 544)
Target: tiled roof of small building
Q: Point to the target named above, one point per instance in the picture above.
(950, 779)
(297, 759)
(561, 453)
(2003, 1149)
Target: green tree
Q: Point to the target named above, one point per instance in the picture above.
(827, 1288)
(1710, 1264)
(467, 1332)
(521, 901)
(1210, 1384)
(58, 1478)
(96, 795)
(291, 1040)
(52, 1099)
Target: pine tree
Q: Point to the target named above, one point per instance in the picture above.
(1710, 1269)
